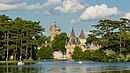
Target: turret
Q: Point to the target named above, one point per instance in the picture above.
(54, 31)
(82, 38)
(73, 39)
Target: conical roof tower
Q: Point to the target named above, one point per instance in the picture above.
(73, 39)
(72, 33)
(82, 36)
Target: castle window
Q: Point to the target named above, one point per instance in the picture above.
(69, 52)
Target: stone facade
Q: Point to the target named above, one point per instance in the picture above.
(57, 55)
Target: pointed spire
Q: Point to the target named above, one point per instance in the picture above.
(82, 36)
(72, 33)
(73, 39)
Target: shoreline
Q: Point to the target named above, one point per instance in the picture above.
(15, 62)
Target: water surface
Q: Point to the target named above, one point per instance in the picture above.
(68, 67)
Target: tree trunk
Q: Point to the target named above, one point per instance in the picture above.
(26, 52)
(7, 50)
(21, 51)
(31, 53)
(120, 42)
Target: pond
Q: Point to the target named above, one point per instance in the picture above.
(68, 67)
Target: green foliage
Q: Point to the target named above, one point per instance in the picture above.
(98, 55)
(127, 57)
(91, 39)
(1, 54)
(114, 38)
(77, 54)
(41, 40)
(113, 34)
(58, 44)
(19, 37)
(87, 55)
(45, 53)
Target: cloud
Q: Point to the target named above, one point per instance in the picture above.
(70, 6)
(19, 6)
(52, 2)
(46, 13)
(11, 1)
(74, 21)
(127, 15)
(64, 6)
(98, 11)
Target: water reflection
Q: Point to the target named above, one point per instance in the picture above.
(67, 67)
(19, 69)
(88, 67)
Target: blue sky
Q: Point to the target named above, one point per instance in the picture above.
(80, 14)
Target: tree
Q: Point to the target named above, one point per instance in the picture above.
(112, 34)
(58, 44)
(98, 55)
(91, 39)
(19, 37)
(28, 35)
(77, 54)
(87, 55)
(5, 30)
(45, 53)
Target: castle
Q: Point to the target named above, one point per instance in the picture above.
(72, 43)
(75, 41)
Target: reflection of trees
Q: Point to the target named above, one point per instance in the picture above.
(16, 69)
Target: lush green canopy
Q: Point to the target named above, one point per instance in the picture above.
(18, 37)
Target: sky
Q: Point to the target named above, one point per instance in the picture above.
(80, 14)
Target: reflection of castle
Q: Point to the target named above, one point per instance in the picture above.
(72, 43)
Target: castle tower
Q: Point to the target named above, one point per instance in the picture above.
(82, 40)
(73, 41)
(54, 31)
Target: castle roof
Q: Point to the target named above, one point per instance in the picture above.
(72, 33)
(73, 39)
(55, 26)
(82, 36)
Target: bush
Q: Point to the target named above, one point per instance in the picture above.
(77, 54)
(45, 53)
(87, 55)
(98, 55)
